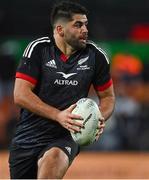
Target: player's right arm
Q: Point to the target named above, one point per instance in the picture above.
(27, 76)
(26, 98)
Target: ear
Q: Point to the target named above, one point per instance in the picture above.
(60, 30)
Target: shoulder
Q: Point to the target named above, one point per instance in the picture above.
(36, 45)
(99, 52)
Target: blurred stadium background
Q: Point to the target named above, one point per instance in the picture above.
(121, 28)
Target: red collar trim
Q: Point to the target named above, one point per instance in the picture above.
(63, 57)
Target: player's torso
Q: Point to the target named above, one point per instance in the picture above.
(62, 82)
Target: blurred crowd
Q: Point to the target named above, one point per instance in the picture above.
(127, 129)
(8, 111)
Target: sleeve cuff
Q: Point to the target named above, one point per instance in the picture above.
(26, 77)
(104, 86)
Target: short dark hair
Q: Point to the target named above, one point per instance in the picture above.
(65, 10)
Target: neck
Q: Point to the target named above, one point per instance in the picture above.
(63, 46)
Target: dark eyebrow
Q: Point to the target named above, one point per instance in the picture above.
(80, 22)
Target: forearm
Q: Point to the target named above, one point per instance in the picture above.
(107, 102)
(107, 106)
(33, 103)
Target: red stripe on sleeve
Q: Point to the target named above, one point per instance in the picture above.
(26, 77)
(105, 86)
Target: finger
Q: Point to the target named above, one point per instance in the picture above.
(79, 124)
(71, 108)
(102, 119)
(100, 125)
(101, 131)
(76, 123)
(75, 116)
(97, 137)
(73, 128)
(67, 126)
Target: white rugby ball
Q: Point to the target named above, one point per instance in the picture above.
(89, 111)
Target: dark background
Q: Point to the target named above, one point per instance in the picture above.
(108, 19)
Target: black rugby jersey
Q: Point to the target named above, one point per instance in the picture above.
(59, 82)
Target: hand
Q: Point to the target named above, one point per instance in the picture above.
(67, 119)
(100, 129)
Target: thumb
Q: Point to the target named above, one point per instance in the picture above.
(71, 108)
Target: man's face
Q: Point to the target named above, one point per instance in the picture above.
(75, 32)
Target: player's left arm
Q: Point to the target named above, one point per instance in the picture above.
(107, 102)
(103, 83)
(103, 86)
(106, 106)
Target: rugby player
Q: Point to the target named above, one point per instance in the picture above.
(53, 74)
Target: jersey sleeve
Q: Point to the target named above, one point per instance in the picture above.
(102, 78)
(29, 66)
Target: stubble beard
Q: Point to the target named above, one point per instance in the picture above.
(76, 44)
